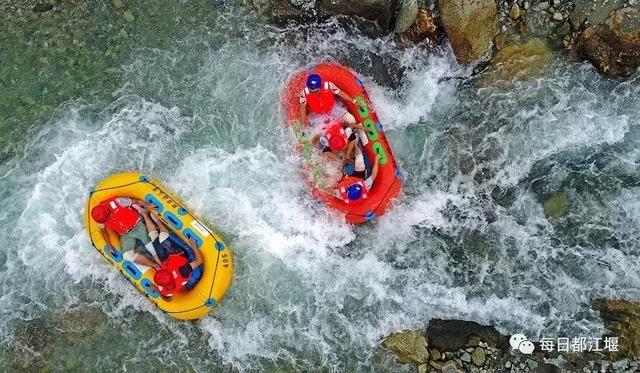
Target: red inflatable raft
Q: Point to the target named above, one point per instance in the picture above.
(388, 181)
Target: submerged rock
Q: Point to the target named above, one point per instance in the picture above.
(518, 61)
(557, 206)
(452, 335)
(622, 319)
(73, 326)
(379, 11)
(409, 346)
(34, 345)
(614, 46)
(470, 26)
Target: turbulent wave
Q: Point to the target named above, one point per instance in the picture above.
(467, 239)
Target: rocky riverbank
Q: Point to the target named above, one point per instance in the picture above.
(511, 35)
(453, 346)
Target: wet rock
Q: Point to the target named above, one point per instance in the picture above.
(452, 335)
(423, 28)
(532, 364)
(470, 26)
(436, 365)
(449, 367)
(478, 356)
(557, 16)
(557, 206)
(74, 326)
(465, 357)
(435, 354)
(282, 11)
(42, 7)
(423, 368)
(622, 319)
(406, 16)
(577, 20)
(379, 11)
(517, 61)
(118, 4)
(304, 4)
(128, 16)
(409, 346)
(614, 47)
(34, 345)
(514, 12)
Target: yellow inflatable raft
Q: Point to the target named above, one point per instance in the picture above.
(218, 262)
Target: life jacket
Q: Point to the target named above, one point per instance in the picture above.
(320, 102)
(122, 219)
(348, 181)
(172, 265)
(336, 137)
(184, 249)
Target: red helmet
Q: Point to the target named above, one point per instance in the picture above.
(100, 213)
(337, 138)
(164, 278)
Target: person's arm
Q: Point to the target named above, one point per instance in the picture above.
(316, 139)
(162, 227)
(345, 97)
(350, 149)
(303, 108)
(147, 220)
(374, 171)
(107, 239)
(199, 259)
(332, 155)
(357, 126)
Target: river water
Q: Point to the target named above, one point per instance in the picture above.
(190, 95)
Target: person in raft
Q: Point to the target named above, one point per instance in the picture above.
(319, 98)
(354, 187)
(176, 271)
(338, 138)
(122, 215)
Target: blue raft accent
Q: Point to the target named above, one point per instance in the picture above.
(150, 198)
(148, 287)
(370, 215)
(132, 270)
(379, 126)
(144, 179)
(172, 219)
(220, 246)
(182, 211)
(117, 257)
(210, 302)
(189, 233)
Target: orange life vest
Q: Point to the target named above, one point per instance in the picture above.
(320, 102)
(172, 265)
(348, 181)
(122, 219)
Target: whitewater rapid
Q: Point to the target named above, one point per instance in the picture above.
(467, 238)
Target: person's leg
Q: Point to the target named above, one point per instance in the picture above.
(140, 259)
(358, 164)
(348, 118)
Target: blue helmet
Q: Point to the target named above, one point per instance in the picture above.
(314, 81)
(354, 192)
